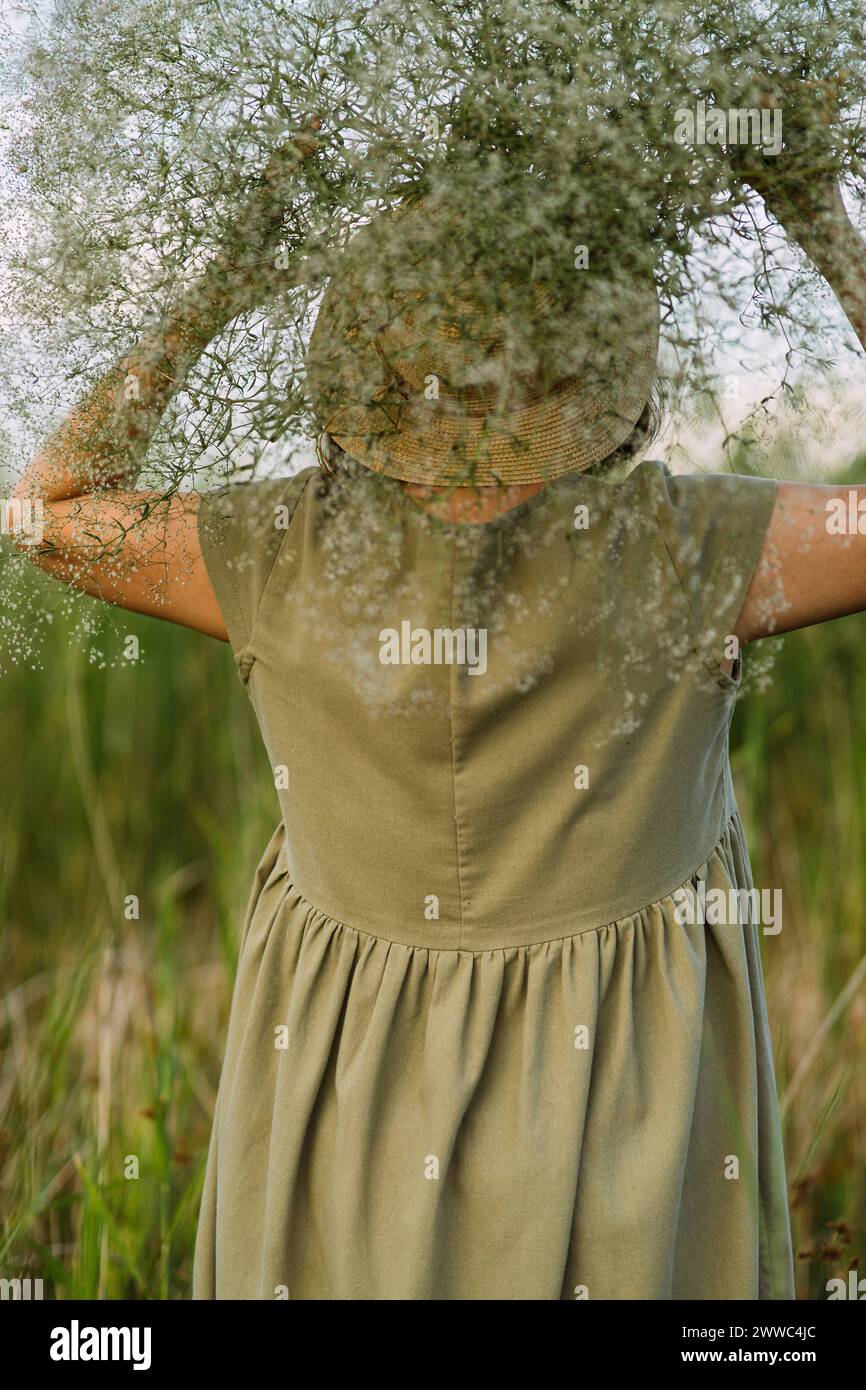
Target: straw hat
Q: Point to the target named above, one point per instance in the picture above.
(434, 382)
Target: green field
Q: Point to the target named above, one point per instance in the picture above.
(147, 780)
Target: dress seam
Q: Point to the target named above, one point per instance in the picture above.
(625, 920)
(452, 724)
(243, 657)
(714, 669)
(249, 649)
(241, 606)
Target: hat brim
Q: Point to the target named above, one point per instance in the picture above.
(468, 435)
(567, 431)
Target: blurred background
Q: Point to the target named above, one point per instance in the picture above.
(136, 801)
(135, 793)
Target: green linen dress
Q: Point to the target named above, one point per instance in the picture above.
(485, 1042)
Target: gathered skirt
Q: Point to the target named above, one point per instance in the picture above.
(593, 1116)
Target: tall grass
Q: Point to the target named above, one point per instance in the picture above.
(148, 782)
(144, 782)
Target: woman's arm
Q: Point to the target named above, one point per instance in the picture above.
(813, 564)
(132, 547)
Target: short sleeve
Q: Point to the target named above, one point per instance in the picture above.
(713, 527)
(241, 528)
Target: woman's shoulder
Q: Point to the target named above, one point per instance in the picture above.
(660, 484)
(242, 501)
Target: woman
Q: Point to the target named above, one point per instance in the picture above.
(487, 1039)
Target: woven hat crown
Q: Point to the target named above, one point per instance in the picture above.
(436, 357)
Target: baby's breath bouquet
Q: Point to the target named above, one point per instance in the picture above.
(145, 138)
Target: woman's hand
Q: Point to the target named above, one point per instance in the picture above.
(245, 266)
(801, 183)
(133, 548)
(103, 440)
(809, 572)
(801, 187)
